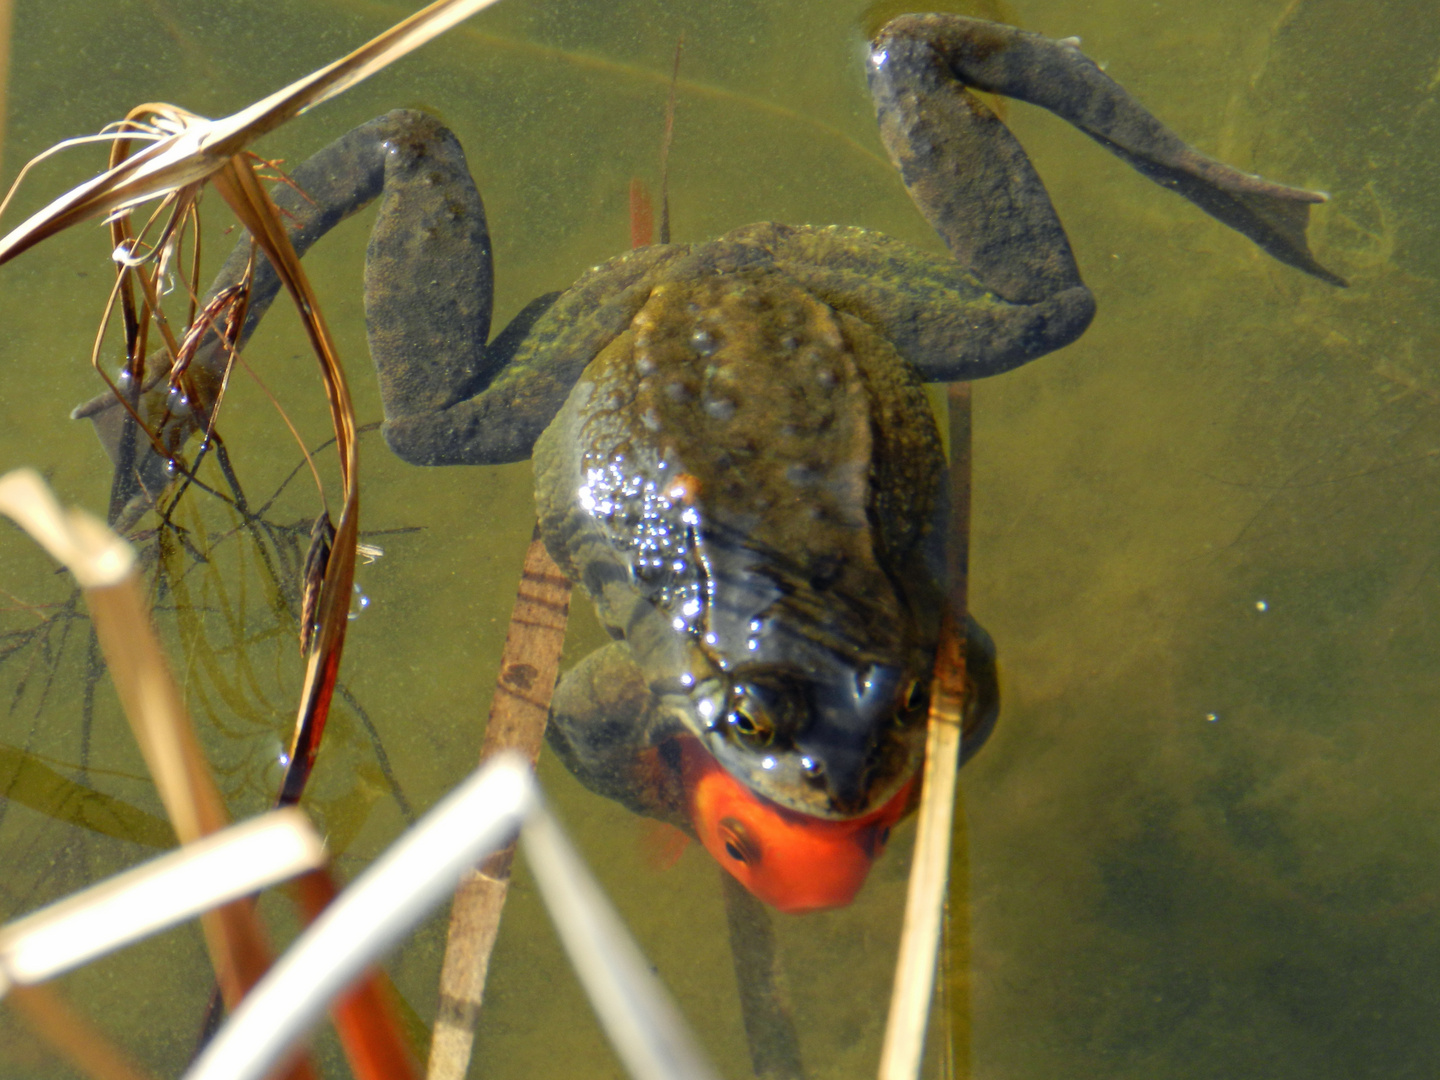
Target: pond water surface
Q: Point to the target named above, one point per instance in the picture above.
(1202, 842)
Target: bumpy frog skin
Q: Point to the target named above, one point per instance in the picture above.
(733, 453)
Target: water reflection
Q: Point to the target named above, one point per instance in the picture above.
(1153, 892)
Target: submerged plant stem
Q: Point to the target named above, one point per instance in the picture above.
(920, 936)
(529, 667)
(72, 1036)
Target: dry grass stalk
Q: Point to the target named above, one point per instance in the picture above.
(239, 187)
(104, 565)
(182, 153)
(185, 149)
(72, 1036)
(529, 667)
(151, 700)
(925, 901)
(365, 1015)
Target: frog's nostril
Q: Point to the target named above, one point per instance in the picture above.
(845, 779)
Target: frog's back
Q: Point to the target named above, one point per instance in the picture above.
(776, 419)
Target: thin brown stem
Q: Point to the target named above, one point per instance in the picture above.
(529, 666)
(73, 1037)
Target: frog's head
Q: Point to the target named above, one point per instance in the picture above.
(802, 668)
(826, 738)
(823, 732)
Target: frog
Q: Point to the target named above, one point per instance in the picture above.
(733, 450)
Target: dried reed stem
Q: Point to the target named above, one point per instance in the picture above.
(104, 566)
(529, 666)
(171, 751)
(365, 1015)
(925, 901)
(769, 1027)
(72, 1036)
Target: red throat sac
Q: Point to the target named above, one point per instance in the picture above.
(791, 861)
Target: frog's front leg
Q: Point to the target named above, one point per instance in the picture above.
(614, 736)
(450, 396)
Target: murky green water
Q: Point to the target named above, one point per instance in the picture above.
(1203, 841)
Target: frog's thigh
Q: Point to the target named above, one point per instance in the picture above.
(935, 312)
(428, 277)
(605, 726)
(528, 370)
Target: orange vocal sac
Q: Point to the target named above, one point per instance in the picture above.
(791, 861)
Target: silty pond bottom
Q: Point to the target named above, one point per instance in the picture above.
(1200, 839)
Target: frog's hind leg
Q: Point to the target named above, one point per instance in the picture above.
(973, 183)
(1011, 291)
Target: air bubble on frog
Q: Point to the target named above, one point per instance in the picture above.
(703, 342)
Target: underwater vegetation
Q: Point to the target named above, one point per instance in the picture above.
(1153, 891)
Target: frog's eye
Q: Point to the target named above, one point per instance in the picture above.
(750, 717)
(738, 843)
(765, 706)
(914, 701)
